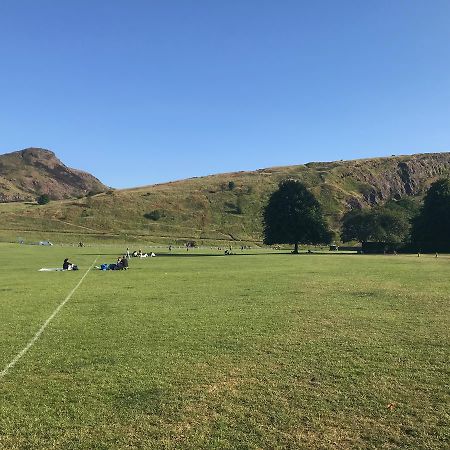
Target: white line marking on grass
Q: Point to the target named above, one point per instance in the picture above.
(44, 326)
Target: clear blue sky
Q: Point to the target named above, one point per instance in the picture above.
(140, 91)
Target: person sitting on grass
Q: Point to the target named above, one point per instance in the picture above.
(121, 264)
(124, 263)
(67, 265)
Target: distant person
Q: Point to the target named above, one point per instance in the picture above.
(170, 248)
(128, 252)
(124, 263)
(67, 265)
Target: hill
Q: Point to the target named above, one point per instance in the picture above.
(25, 174)
(224, 206)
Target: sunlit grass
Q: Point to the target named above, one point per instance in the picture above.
(198, 350)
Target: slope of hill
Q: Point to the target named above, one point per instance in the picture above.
(225, 206)
(25, 174)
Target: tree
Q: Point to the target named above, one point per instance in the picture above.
(431, 228)
(378, 225)
(294, 216)
(356, 226)
(43, 199)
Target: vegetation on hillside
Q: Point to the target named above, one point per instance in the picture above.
(228, 206)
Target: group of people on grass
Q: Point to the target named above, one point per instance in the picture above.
(120, 264)
(139, 254)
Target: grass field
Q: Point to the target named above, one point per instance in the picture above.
(203, 351)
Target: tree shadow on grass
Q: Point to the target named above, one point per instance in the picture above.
(193, 255)
(237, 254)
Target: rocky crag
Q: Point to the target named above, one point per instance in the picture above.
(25, 174)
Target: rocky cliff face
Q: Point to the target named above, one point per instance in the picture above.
(378, 180)
(28, 173)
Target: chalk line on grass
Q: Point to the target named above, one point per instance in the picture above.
(33, 340)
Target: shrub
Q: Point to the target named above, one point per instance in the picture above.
(43, 199)
(153, 215)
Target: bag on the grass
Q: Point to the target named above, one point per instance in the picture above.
(74, 267)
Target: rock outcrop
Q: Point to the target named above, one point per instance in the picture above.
(25, 174)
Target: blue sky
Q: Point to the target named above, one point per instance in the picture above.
(139, 92)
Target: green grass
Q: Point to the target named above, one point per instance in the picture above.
(205, 209)
(197, 350)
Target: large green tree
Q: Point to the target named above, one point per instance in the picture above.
(431, 228)
(375, 225)
(294, 216)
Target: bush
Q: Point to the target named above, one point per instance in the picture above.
(43, 199)
(153, 215)
(231, 185)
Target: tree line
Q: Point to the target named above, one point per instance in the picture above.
(294, 216)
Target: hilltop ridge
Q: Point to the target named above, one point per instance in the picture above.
(27, 173)
(224, 206)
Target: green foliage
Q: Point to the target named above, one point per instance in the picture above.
(293, 216)
(431, 228)
(43, 199)
(154, 215)
(378, 224)
(408, 206)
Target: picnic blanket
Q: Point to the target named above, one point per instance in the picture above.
(53, 269)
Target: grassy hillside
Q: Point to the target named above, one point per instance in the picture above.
(25, 174)
(220, 207)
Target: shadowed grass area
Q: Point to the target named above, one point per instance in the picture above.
(245, 351)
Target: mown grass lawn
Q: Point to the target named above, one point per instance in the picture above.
(198, 350)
